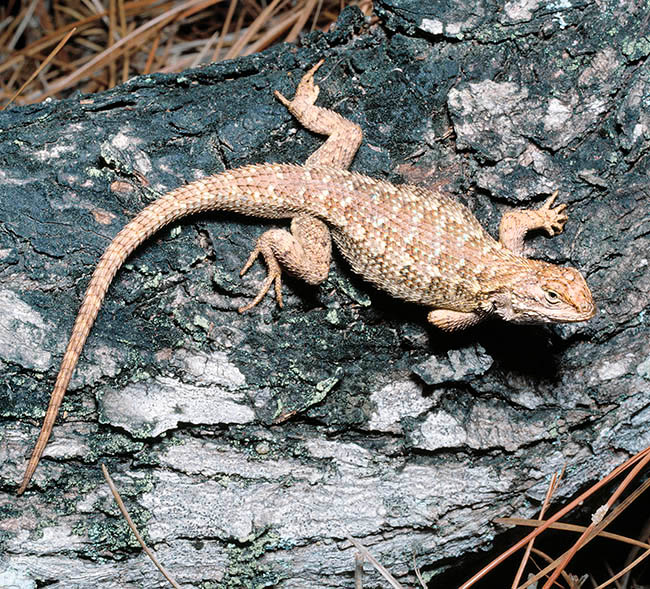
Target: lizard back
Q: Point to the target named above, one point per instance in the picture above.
(419, 245)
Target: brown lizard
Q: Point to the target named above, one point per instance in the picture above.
(419, 245)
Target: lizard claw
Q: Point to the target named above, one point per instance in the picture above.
(549, 201)
(552, 218)
(307, 82)
(310, 74)
(282, 99)
(274, 276)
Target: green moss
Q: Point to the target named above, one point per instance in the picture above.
(108, 531)
(635, 48)
(42, 524)
(201, 322)
(244, 568)
(110, 444)
(114, 534)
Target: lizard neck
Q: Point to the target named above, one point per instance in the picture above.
(498, 278)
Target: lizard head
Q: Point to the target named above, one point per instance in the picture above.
(545, 293)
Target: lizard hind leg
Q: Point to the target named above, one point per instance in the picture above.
(304, 252)
(344, 137)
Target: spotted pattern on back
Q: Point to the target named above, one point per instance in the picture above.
(417, 244)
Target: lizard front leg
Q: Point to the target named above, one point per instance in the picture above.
(448, 320)
(515, 224)
(344, 136)
(305, 252)
(512, 230)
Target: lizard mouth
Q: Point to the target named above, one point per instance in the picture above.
(587, 311)
(583, 313)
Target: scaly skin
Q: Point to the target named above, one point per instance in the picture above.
(419, 245)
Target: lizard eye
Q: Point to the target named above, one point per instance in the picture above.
(552, 297)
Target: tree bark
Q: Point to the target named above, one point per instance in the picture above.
(248, 446)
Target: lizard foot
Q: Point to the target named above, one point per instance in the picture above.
(274, 274)
(305, 252)
(306, 93)
(552, 220)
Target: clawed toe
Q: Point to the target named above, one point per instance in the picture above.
(554, 218)
(250, 261)
(555, 224)
(548, 203)
(270, 278)
(282, 99)
(308, 78)
(306, 93)
(274, 276)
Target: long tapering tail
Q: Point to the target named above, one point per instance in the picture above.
(178, 203)
(270, 190)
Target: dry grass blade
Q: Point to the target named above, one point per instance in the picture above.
(22, 24)
(645, 536)
(598, 523)
(640, 457)
(204, 50)
(129, 521)
(224, 29)
(371, 559)
(547, 499)
(132, 8)
(47, 60)
(117, 39)
(303, 16)
(418, 574)
(548, 559)
(111, 53)
(592, 532)
(358, 571)
(625, 571)
(272, 34)
(237, 48)
(534, 523)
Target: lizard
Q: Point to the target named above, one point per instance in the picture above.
(419, 245)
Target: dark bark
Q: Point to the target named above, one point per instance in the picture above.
(248, 446)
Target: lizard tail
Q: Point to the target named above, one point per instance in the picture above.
(175, 204)
(251, 190)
